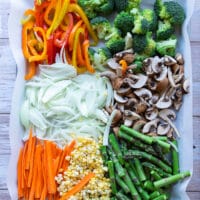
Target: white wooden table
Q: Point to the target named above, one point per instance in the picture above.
(7, 78)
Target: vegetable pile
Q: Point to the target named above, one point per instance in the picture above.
(99, 120)
(139, 167)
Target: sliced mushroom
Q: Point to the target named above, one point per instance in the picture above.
(109, 74)
(179, 58)
(168, 115)
(120, 107)
(116, 130)
(147, 66)
(124, 91)
(117, 83)
(128, 122)
(140, 107)
(131, 102)
(168, 60)
(177, 69)
(128, 114)
(178, 78)
(138, 125)
(161, 75)
(170, 133)
(120, 99)
(177, 104)
(163, 103)
(150, 126)
(156, 65)
(170, 77)
(151, 113)
(162, 85)
(163, 129)
(129, 57)
(117, 118)
(137, 83)
(152, 84)
(120, 54)
(143, 93)
(154, 99)
(113, 64)
(186, 86)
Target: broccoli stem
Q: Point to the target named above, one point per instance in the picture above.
(140, 154)
(171, 180)
(136, 134)
(175, 159)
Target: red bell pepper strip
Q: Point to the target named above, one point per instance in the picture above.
(51, 51)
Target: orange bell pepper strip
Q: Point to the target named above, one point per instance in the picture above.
(43, 55)
(75, 46)
(30, 15)
(124, 66)
(81, 60)
(49, 12)
(86, 45)
(31, 71)
(25, 31)
(34, 46)
(72, 34)
(77, 9)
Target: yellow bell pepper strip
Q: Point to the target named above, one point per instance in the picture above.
(43, 55)
(75, 46)
(56, 14)
(124, 66)
(81, 60)
(86, 45)
(49, 12)
(66, 21)
(31, 71)
(61, 10)
(72, 34)
(77, 9)
(35, 46)
(25, 32)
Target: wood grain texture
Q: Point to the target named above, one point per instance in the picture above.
(7, 78)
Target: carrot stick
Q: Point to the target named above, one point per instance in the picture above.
(23, 165)
(28, 156)
(78, 187)
(20, 174)
(62, 157)
(51, 185)
(71, 147)
(30, 177)
(39, 185)
(44, 191)
(35, 174)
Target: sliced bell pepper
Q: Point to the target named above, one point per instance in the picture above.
(124, 66)
(34, 46)
(77, 9)
(51, 51)
(86, 45)
(43, 55)
(39, 13)
(49, 11)
(31, 71)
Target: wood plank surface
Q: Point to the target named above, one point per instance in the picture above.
(7, 78)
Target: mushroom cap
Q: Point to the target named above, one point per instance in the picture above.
(162, 85)
(128, 114)
(156, 65)
(136, 81)
(167, 114)
(170, 77)
(113, 64)
(124, 91)
(151, 113)
(163, 129)
(162, 75)
(109, 74)
(119, 98)
(164, 103)
(143, 93)
(150, 125)
(140, 107)
(138, 125)
(168, 60)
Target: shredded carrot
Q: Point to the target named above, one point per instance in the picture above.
(78, 187)
(19, 172)
(124, 66)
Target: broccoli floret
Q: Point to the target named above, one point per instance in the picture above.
(124, 22)
(165, 30)
(99, 58)
(121, 5)
(141, 25)
(158, 6)
(106, 7)
(89, 7)
(133, 4)
(115, 45)
(114, 33)
(151, 17)
(167, 47)
(144, 44)
(173, 12)
(101, 26)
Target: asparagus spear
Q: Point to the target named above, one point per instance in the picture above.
(137, 143)
(139, 169)
(131, 186)
(170, 180)
(132, 174)
(154, 194)
(175, 159)
(153, 167)
(155, 175)
(161, 197)
(140, 154)
(143, 193)
(116, 148)
(149, 186)
(103, 150)
(118, 166)
(121, 196)
(122, 184)
(112, 176)
(163, 138)
(137, 135)
(166, 146)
